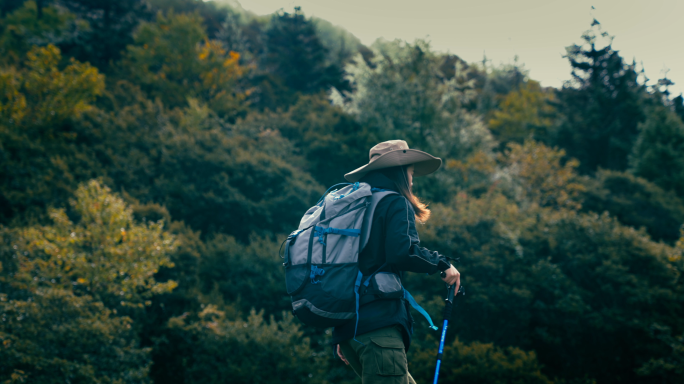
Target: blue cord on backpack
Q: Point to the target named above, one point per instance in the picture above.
(420, 309)
(315, 271)
(355, 187)
(407, 296)
(326, 192)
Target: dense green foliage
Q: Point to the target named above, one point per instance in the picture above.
(153, 154)
(657, 154)
(635, 202)
(68, 287)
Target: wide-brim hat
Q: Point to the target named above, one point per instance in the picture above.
(396, 153)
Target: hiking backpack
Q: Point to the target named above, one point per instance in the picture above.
(321, 258)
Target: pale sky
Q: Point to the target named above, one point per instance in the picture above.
(537, 31)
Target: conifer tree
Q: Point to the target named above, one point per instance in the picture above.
(601, 105)
(111, 28)
(296, 54)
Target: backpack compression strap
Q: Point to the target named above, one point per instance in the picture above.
(320, 232)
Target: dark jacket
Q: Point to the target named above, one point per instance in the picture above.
(393, 240)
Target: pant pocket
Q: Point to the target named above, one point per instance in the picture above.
(390, 356)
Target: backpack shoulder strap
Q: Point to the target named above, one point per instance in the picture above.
(378, 194)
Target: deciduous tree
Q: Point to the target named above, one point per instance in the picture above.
(67, 287)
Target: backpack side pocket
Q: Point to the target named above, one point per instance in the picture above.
(386, 285)
(297, 261)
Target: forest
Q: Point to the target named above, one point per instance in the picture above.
(155, 153)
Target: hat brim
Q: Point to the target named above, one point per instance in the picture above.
(424, 163)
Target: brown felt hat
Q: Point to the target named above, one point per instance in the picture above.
(395, 153)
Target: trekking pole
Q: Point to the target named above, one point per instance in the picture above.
(447, 315)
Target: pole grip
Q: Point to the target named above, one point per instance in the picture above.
(447, 311)
(451, 293)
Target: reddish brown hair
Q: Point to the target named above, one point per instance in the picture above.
(400, 178)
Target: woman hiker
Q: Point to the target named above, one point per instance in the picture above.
(378, 352)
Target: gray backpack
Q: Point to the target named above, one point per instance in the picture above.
(321, 258)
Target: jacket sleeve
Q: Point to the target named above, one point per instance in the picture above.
(402, 243)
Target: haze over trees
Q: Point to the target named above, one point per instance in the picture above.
(154, 154)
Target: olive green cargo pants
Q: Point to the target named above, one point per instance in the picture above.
(381, 359)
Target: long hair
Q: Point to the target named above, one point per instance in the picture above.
(400, 178)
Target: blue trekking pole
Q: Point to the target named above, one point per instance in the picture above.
(447, 315)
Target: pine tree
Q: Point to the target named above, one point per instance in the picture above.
(296, 54)
(601, 105)
(111, 28)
